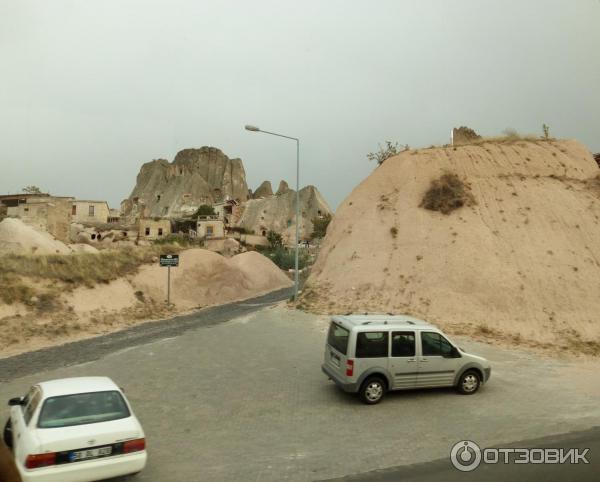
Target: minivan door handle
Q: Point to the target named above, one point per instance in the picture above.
(424, 359)
(411, 360)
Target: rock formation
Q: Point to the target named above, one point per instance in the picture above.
(195, 177)
(520, 262)
(278, 213)
(464, 135)
(264, 190)
(283, 188)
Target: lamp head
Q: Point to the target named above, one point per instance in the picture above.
(252, 128)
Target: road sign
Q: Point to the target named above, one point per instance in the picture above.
(169, 260)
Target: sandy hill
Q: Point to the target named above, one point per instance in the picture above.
(58, 312)
(521, 264)
(17, 237)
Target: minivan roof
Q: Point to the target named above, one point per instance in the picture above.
(377, 320)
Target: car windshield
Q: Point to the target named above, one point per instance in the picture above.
(338, 338)
(82, 408)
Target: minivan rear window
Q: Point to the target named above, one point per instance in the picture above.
(338, 337)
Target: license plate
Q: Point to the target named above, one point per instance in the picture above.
(90, 454)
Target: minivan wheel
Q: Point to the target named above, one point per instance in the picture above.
(7, 434)
(372, 390)
(469, 382)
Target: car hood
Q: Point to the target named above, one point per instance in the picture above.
(89, 435)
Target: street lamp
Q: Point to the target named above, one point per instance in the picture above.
(256, 129)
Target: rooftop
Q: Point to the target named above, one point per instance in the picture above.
(378, 320)
(68, 386)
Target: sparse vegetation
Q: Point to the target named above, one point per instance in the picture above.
(390, 150)
(546, 129)
(204, 210)
(447, 194)
(56, 273)
(275, 239)
(320, 226)
(394, 231)
(31, 190)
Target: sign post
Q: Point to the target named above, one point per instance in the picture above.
(169, 260)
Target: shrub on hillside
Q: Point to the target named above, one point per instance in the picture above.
(446, 194)
(275, 239)
(320, 226)
(390, 150)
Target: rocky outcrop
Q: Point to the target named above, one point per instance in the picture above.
(264, 190)
(278, 213)
(464, 135)
(195, 177)
(283, 188)
(519, 262)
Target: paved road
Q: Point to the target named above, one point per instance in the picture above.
(97, 347)
(443, 470)
(245, 400)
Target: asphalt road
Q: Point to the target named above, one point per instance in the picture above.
(84, 351)
(442, 469)
(236, 393)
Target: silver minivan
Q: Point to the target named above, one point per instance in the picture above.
(371, 354)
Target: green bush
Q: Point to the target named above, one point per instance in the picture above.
(320, 226)
(285, 258)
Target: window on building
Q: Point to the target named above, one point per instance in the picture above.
(99, 237)
(147, 231)
(74, 209)
(289, 222)
(158, 197)
(209, 231)
(160, 231)
(91, 210)
(93, 235)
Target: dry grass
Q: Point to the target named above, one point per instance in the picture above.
(60, 272)
(447, 194)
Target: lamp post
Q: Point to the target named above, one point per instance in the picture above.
(256, 129)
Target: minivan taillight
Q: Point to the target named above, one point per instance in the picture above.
(35, 461)
(349, 368)
(136, 445)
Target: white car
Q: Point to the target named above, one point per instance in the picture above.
(75, 430)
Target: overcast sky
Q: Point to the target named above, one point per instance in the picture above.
(90, 90)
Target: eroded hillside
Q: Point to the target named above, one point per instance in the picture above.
(520, 263)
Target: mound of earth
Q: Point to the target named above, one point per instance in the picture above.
(206, 278)
(17, 237)
(203, 278)
(521, 262)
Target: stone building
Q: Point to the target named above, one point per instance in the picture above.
(210, 226)
(52, 214)
(42, 212)
(154, 228)
(90, 211)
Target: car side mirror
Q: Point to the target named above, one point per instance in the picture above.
(15, 401)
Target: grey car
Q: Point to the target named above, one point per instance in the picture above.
(371, 354)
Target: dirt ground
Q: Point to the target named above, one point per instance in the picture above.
(204, 278)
